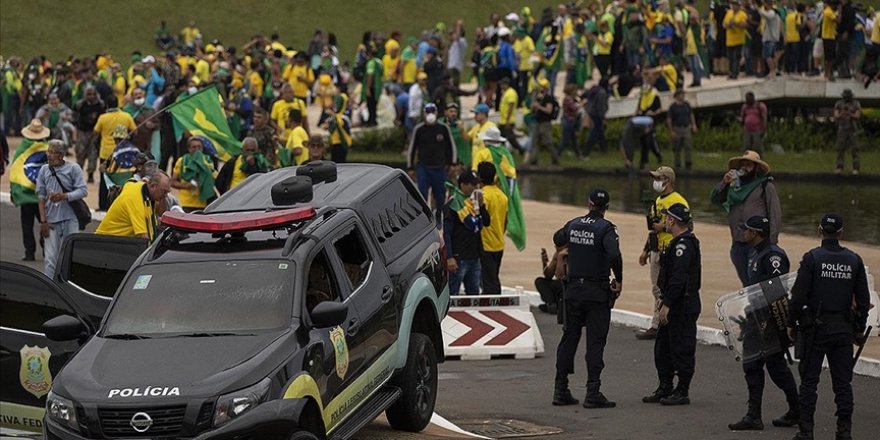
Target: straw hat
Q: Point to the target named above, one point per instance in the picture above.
(35, 130)
(750, 156)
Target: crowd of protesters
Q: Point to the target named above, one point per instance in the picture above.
(621, 48)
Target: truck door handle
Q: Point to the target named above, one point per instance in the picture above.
(353, 326)
(386, 293)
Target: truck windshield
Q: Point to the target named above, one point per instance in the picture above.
(203, 299)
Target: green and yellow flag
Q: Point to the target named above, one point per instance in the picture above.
(516, 223)
(29, 158)
(202, 114)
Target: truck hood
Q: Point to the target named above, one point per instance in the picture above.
(166, 369)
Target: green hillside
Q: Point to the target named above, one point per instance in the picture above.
(60, 28)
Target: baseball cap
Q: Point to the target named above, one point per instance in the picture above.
(757, 223)
(149, 59)
(450, 105)
(430, 108)
(544, 83)
(481, 108)
(679, 212)
(468, 176)
(600, 198)
(832, 223)
(664, 171)
(421, 76)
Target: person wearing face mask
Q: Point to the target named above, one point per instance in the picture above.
(142, 113)
(747, 190)
(242, 166)
(658, 237)
(430, 154)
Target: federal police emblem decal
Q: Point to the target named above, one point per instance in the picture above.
(340, 347)
(34, 375)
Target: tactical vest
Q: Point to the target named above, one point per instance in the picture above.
(695, 270)
(833, 280)
(587, 257)
(756, 263)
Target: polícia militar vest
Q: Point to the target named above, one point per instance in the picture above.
(833, 279)
(756, 264)
(691, 302)
(587, 257)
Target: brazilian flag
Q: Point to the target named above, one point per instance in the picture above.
(121, 166)
(516, 225)
(29, 158)
(202, 114)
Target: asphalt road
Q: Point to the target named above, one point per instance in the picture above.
(483, 393)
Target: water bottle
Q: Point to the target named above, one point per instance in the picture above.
(737, 182)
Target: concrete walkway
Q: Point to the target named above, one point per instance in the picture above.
(719, 276)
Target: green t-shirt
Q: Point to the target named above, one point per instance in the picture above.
(374, 68)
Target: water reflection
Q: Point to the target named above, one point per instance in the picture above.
(803, 200)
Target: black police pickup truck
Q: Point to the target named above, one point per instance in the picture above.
(299, 305)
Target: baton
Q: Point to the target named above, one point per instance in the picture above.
(864, 340)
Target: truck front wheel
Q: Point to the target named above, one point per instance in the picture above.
(418, 383)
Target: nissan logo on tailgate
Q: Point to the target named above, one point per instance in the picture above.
(141, 422)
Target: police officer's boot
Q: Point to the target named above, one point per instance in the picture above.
(805, 432)
(561, 394)
(788, 419)
(844, 430)
(595, 399)
(751, 421)
(663, 390)
(679, 395)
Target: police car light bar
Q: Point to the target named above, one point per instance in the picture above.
(236, 221)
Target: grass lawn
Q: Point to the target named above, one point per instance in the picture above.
(815, 162)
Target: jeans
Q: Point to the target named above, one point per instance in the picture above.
(739, 256)
(633, 58)
(569, 137)
(696, 68)
(734, 53)
(683, 141)
(490, 266)
(792, 54)
(57, 232)
(433, 178)
(596, 135)
(469, 272)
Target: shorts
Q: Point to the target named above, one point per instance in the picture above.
(830, 48)
(769, 49)
(817, 49)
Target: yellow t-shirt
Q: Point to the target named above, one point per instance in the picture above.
(189, 34)
(509, 100)
(670, 75)
(107, 122)
(281, 109)
(603, 44)
(736, 36)
(792, 21)
(189, 197)
(524, 48)
(409, 71)
(875, 33)
(130, 215)
(238, 175)
(298, 138)
(496, 204)
(660, 206)
(829, 24)
(476, 143)
(485, 155)
(301, 79)
(389, 67)
(256, 83)
(119, 89)
(137, 80)
(690, 47)
(203, 70)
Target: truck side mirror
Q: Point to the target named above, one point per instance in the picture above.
(329, 314)
(64, 328)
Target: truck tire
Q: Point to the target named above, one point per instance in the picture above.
(303, 435)
(418, 384)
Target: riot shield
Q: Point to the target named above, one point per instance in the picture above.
(754, 318)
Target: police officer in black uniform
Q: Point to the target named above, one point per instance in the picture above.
(593, 253)
(679, 281)
(766, 261)
(830, 298)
